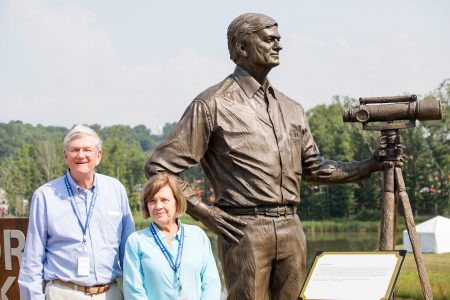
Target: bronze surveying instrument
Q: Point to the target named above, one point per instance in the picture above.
(385, 111)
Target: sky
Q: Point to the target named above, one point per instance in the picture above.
(110, 62)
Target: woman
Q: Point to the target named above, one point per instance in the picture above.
(168, 260)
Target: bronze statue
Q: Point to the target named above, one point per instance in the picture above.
(255, 146)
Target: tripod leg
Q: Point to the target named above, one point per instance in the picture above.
(409, 220)
(388, 211)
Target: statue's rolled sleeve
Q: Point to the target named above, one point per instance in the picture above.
(183, 148)
(318, 169)
(185, 145)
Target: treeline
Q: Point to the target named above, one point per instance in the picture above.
(32, 155)
(426, 171)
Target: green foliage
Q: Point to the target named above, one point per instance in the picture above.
(15, 134)
(438, 270)
(341, 142)
(340, 225)
(437, 153)
(167, 129)
(32, 155)
(368, 215)
(426, 171)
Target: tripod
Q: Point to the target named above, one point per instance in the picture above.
(390, 109)
(394, 190)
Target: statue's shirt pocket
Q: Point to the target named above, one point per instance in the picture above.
(295, 141)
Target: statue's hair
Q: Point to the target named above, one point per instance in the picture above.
(243, 25)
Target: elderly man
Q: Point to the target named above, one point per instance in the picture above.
(78, 227)
(255, 145)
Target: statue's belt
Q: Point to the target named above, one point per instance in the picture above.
(268, 211)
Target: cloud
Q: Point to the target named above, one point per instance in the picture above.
(76, 75)
(321, 67)
(64, 63)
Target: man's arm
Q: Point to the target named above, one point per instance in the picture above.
(31, 267)
(321, 170)
(182, 149)
(318, 169)
(328, 171)
(128, 224)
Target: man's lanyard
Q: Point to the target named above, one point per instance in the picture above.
(77, 210)
(174, 265)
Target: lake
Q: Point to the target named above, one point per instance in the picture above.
(340, 241)
(326, 241)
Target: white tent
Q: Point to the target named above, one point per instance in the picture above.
(434, 236)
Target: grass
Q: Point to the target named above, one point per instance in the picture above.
(345, 225)
(438, 269)
(340, 226)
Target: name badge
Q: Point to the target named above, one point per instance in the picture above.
(83, 265)
(114, 213)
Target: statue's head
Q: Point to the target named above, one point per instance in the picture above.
(240, 29)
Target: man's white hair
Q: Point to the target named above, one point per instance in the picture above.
(81, 131)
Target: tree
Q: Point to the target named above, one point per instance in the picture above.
(48, 157)
(19, 176)
(32, 155)
(335, 140)
(167, 129)
(143, 135)
(124, 161)
(437, 135)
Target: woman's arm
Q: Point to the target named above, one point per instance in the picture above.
(211, 287)
(133, 277)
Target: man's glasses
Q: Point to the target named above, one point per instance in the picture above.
(86, 151)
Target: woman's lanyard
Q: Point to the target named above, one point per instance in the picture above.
(77, 210)
(174, 265)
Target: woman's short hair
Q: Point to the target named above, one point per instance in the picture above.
(243, 25)
(157, 182)
(79, 131)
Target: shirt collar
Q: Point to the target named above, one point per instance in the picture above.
(76, 187)
(162, 236)
(249, 84)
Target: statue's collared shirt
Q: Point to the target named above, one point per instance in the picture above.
(253, 153)
(55, 236)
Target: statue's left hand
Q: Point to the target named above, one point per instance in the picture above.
(218, 221)
(225, 224)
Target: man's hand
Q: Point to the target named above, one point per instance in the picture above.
(384, 158)
(217, 220)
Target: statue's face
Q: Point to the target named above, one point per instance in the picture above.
(263, 48)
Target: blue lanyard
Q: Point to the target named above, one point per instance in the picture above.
(174, 265)
(77, 210)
